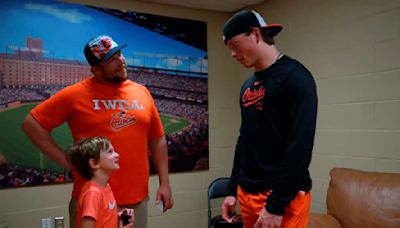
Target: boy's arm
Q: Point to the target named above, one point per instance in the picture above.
(88, 222)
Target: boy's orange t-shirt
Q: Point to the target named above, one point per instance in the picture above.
(123, 112)
(97, 202)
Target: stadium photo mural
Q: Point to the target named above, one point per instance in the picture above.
(41, 52)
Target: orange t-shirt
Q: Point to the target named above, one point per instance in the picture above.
(123, 112)
(98, 202)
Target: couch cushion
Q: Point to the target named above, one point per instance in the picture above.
(364, 199)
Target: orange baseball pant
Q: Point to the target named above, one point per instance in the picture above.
(296, 214)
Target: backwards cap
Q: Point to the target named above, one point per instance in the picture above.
(243, 21)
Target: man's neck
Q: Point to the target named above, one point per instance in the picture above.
(269, 55)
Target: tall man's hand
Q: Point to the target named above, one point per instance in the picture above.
(267, 220)
(228, 209)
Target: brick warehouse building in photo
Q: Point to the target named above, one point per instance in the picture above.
(27, 68)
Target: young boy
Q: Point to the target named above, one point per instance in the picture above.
(95, 159)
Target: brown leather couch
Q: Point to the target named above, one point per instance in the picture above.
(358, 199)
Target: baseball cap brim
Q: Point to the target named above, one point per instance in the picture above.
(112, 52)
(273, 28)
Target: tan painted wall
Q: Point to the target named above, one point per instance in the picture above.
(353, 50)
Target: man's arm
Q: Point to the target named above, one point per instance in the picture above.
(301, 112)
(228, 207)
(159, 150)
(44, 141)
(234, 181)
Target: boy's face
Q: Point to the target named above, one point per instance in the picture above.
(109, 159)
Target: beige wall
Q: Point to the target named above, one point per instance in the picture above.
(26, 206)
(351, 47)
(353, 50)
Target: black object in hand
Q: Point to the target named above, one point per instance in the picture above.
(125, 218)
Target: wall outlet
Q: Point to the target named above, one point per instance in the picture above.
(46, 222)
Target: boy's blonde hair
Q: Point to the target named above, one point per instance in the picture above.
(84, 150)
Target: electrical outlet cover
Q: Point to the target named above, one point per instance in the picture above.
(46, 222)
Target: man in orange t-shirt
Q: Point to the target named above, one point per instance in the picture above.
(108, 105)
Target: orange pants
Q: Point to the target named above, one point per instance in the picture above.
(296, 214)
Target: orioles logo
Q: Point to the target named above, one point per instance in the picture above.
(101, 46)
(250, 97)
(106, 42)
(121, 120)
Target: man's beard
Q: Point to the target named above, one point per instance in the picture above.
(118, 79)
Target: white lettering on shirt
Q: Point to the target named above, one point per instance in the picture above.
(116, 104)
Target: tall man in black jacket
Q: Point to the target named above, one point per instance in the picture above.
(270, 176)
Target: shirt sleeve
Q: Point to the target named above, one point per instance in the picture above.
(91, 203)
(234, 181)
(300, 101)
(54, 111)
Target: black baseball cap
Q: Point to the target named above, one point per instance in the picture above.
(100, 49)
(243, 21)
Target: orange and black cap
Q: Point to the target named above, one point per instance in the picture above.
(243, 21)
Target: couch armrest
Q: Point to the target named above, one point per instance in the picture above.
(322, 221)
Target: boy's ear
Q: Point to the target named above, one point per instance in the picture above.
(93, 163)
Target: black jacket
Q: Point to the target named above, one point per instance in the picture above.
(273, 151)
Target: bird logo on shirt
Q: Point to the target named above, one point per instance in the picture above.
(122, 119)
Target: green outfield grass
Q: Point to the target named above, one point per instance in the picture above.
(18, 149)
